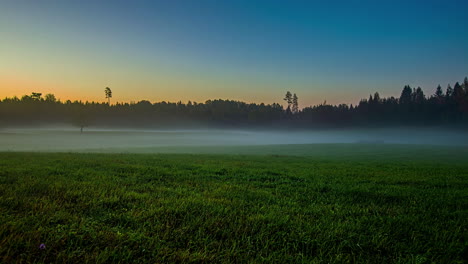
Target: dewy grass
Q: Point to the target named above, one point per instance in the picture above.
(150, 208)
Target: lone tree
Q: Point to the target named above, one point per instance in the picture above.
(81, 119)
(108, 94)
(295, 104)
(289, 99)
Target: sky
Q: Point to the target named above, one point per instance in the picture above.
(253, 51)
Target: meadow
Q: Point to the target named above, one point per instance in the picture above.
(317, 203)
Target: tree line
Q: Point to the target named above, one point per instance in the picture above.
(413, 107)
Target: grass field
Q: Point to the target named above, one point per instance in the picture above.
(274, 204)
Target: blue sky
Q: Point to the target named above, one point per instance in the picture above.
(253, 51)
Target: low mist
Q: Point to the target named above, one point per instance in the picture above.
(92, 139)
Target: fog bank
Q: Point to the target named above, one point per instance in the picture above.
(70, 139)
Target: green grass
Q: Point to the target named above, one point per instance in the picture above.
(325, 203)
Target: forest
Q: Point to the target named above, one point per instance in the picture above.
(447, 107)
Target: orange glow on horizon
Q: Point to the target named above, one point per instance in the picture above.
(12, 86)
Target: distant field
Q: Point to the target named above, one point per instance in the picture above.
(320, 203)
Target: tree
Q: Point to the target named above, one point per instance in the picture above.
(81, 118)
(465, 101)
(418, 96)
(465, 84)
(108, 92)
(459, 98)
(288, 99)
(439, 93)
(295, 104)
(449, 92)
(50, 98)
(405, 97)
(458, 93)
(376, 98)
(36, 96)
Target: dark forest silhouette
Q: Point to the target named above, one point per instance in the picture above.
(413, 107)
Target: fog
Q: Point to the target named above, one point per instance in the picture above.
(92, 139)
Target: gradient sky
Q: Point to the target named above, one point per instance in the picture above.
(252, 51)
